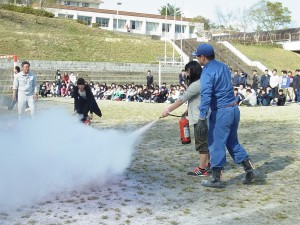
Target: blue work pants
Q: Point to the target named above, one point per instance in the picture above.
(222, 134)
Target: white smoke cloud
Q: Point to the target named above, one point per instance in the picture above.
(55, 152)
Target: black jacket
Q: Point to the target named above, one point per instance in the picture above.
(92, 104)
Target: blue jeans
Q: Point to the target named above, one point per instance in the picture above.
(222, 134)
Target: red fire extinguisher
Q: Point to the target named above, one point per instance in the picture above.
(184, 131)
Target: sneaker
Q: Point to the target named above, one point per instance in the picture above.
(198, 172)
(207, 168)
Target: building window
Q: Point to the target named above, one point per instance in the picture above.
(67, 3)
(135, 25)
(192, 28)
(151, 26)
(65, 16)
(103, 22)
(84, 4)
(85, 18)
(166, 27)
(69, 16)
(178, 29)
(121, 23)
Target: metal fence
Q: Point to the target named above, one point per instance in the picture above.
(264, 37)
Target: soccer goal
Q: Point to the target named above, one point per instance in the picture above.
(169, 62)
(7, 64)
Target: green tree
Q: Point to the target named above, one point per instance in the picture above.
(270, 16)
(207, 23)
(170, 10)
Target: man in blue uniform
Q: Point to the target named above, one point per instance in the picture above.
(217, 94)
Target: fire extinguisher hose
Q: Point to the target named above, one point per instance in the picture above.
(171, 115)
(174, 115)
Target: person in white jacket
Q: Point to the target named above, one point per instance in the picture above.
(192, 96)
(26, 86)
(274, 83)
(250, 98)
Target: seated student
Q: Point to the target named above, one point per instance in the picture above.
(163, 95)
(147, 95)
(270, 93)
(107, 95)
(250, 99)
(242, 89)
(43, 90)
(238, 96)
(119, 93)
(84, 101)
(258, 96)
(131, 95)
(173, 96)
(155, 95)
(140, 96)
(281, 98)
(265, 98)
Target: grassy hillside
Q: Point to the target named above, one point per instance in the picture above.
(32, 37)
(271, 57)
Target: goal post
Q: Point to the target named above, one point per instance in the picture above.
(165, 61)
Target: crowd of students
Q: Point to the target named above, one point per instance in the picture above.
(63, 86)
(269, 89)
(266, 90)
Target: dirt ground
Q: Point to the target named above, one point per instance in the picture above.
(155, 189)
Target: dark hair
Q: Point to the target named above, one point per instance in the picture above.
(195, 71)
(17, 68)
(211, 57)
(25, 63)
(80, 81)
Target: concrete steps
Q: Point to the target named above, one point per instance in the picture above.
(119, 73)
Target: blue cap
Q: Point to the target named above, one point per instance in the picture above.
(204, 49)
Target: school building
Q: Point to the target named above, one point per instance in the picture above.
(122, 21)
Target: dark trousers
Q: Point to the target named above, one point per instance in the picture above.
(84, 108)
(275, 92)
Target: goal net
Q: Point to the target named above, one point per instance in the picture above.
(7, 64)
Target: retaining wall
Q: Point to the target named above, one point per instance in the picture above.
(119, 73)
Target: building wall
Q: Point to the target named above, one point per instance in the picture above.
(80, 3)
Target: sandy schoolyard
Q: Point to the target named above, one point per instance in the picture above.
(151, 186)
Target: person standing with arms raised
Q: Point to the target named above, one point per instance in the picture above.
(26, 87)
(217, 94)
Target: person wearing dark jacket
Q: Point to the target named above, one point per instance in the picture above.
(255, 81)
(265, 98)
(281, 98)
(265, 79)
(296, 83)
(84, 101)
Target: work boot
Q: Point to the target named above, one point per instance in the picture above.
(215, 182)
(251, 174)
